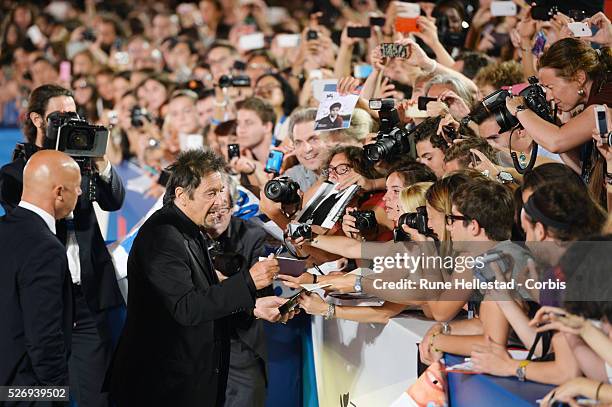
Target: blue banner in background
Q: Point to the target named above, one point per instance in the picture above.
(8, 138)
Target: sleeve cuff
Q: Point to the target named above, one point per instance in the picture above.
(250, 284)
(107, 173)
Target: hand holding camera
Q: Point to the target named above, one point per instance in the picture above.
(348, 224)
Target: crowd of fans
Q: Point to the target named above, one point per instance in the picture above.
(159, 74)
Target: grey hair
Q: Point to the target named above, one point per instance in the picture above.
(232, 187)
(307, 114)
(458, 87)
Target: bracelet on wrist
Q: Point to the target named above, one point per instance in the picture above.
(434, 66)
(331, 311)
(597, 391)
(431, 343)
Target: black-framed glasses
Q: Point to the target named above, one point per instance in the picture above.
(450, 219)
(339, 169)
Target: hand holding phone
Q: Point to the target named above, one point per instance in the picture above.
(601, 120)
(393, 50)
(580, 29)
(275, 161)
(233, 150)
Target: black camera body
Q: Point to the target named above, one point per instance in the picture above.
(89, 35)
(297, 230)
(414, 220)
(69, 133)
(448, 37)
(236, 81)
(535, 100)
(282, 190)
(392, 139)
(365, 220)
(137, 114)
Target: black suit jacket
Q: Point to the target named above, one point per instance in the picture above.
(36, 303)
(98, 278)
(248, 239)
(174, 349)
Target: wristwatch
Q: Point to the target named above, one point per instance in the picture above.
(357, 285)
(446, 328)
(521, 372)
(505, 177)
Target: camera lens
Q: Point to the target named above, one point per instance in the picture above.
(79, 139)
(282, 190)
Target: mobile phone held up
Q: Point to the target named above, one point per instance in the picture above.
(275, 161)
(392, 50)
(359, 32)
(233, 150)
(406, 20)
(601, 120)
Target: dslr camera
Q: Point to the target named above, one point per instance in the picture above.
(495, 104)
(282, 190)
(364, 220)
(236, 81)
(414, 220)
(297, 230)
(69, 133)
(137, 114)
(392, 139)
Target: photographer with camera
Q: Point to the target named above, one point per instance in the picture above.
(351, 246)
(573, 74)
(95, 287)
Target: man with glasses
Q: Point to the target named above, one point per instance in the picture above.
(238, 238)
(480, 225)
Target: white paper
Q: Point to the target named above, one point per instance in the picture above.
(335, 111)
(251, 42)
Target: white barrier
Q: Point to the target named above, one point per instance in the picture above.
(375, 363)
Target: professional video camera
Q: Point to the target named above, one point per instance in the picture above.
(69, 133)
(392, 139)
(283, 190)
(447, 36)
(364, 220)
(414, 220)
(241, 81)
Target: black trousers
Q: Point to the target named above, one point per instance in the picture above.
(246, 382)
(90, 356)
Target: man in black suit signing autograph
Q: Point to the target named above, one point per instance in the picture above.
(35, 286)
(174, 350)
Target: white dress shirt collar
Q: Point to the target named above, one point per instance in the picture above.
(46, 216)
